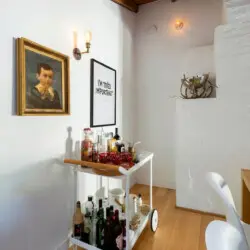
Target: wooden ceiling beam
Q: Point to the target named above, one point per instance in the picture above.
(129, 4)
(138, 2)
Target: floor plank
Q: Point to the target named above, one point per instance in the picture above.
(178, 229)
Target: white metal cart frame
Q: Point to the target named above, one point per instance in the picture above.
(144, 158)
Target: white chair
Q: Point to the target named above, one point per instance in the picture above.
(221, 235)
(217, 182)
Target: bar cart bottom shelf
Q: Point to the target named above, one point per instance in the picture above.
(133, 236)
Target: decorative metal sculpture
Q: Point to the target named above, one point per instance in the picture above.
(196, 87)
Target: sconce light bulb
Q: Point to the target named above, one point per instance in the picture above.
(88, 36)
(179, 25)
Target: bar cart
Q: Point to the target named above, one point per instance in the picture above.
(115, 171)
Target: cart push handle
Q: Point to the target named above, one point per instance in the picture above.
(97, 166)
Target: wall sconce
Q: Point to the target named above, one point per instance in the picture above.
(77, 53)
(179, 25)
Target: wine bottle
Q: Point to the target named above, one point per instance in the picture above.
(112, 217)
(78, 221)
(87, 228)
(123, 224)
(118, 231)
(107, 212)
(107, 231)
(112, 143)
(94, 219)
(100, 229)
(99, 208)
(109, 239)
(100, 204)
(90, 206)
(111, 208)
(116, 136)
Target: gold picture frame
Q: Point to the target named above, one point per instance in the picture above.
(43, 84)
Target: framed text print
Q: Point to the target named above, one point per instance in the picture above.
(102, 95)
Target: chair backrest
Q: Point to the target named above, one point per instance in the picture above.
(217, 182)
(234, 219)
(222, 189)
(221, 235)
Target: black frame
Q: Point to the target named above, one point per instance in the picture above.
(93, 61)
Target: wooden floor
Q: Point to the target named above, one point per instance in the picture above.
(178, 229)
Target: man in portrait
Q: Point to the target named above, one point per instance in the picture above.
(43, 95)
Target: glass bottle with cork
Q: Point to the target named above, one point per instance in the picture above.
(78, 222)
(87, 145)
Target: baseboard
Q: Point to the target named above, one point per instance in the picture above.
(167, 186)
(201, 212)
(65, 244)
(154, 186)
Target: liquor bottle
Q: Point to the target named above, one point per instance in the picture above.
(135, 205)
(107, 212)
(139, 201)
(116, 136)
(119, 144)
(101, 143)
(95, 152)
(112, 217)
(87, 228)
(117, 141)
(107, 231)
(111, 208)
(111, 142)
(78, 223)
(100, 204)
(100, 229)
(114, 229)
(118, 231)
(123, 224)
(94, 219)
(109, 238)
(89, 206)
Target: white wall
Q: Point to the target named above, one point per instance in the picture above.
(213, 134)
(162, 56)
(37, 191)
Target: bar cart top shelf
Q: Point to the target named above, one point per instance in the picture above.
(117, 172)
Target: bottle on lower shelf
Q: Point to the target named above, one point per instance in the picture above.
(87, 229)
(109, 230)
(94, 229)
(123, 224)
(78, 222)
(117, 228)
(100, 229)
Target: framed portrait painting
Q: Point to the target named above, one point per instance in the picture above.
(103, 95)
(42, 80)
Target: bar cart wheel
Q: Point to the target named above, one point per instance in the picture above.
(154, 220)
